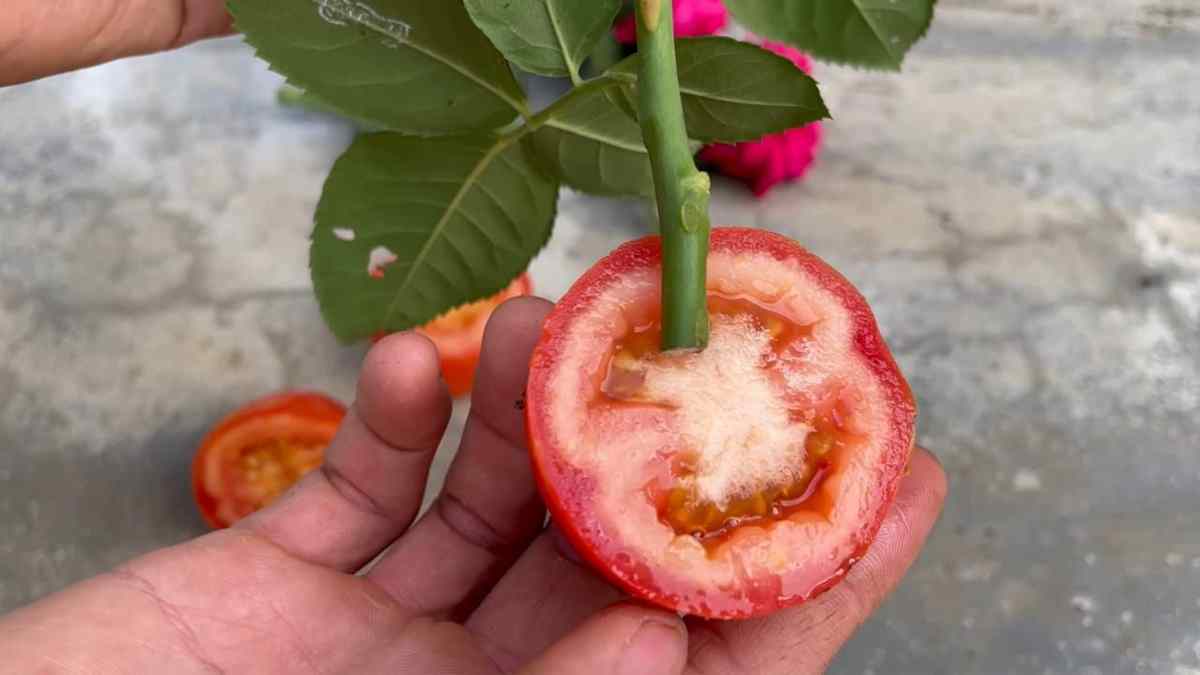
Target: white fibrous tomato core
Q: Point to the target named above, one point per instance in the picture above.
(742, 445)
(738, 436)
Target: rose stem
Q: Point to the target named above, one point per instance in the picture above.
(680, 190)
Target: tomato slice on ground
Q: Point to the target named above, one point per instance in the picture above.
(458, 335)
(736, 480)
(259, 451)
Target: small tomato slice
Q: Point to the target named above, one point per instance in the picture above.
(458, 335)
(259, 451)
(728, 482)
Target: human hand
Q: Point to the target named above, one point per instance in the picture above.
(476, 586)
(39, 38)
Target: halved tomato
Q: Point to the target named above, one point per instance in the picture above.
(259, 451)
(458, 335)
(728, 482)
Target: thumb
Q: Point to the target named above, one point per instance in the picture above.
(39, 38)
(624, 639)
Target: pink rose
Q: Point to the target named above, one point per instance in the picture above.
(772, 159)
(692, 18)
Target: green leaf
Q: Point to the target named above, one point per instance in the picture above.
(591, 144)
(734, 91)
(870, 33)
(606, 54)
(418, 66)
(547, 37)
(298, 98)
(443, 221)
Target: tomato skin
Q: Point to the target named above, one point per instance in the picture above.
(305, 416)
(570, 493)
(458, 347)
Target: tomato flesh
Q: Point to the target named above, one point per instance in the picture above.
(267, 470)
(259, 451)
(735, 480)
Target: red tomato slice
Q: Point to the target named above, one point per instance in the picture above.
(259, 451)
(458, 335)
(728, 482)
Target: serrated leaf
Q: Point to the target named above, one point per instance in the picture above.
(298, 98)
(592, 145)
(735, 91)
(547, 37)
(409, 227)
(418, 66)
(869, 33)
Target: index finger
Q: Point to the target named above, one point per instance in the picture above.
(370, 485)
(39, 38)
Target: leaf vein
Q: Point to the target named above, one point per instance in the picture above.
(440, 225)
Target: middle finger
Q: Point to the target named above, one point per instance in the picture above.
(488, 510)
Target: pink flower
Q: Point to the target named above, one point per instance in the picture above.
(772, 159)
(791, 54)
(692, 18)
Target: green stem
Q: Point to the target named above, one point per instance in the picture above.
(681, 191)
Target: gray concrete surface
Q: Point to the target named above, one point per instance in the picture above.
(1021, 206)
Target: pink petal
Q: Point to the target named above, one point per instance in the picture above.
(692, 18)
(792, 54)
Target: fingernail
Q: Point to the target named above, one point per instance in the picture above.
(655, 648)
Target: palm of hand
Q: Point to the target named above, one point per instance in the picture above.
(475, 587)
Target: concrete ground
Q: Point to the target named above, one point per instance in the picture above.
(1021, 206)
